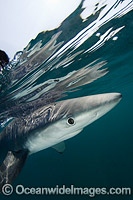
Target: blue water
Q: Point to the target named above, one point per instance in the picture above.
(87, 54)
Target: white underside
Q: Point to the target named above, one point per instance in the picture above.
(45, 139)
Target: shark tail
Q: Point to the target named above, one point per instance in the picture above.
(11, 166)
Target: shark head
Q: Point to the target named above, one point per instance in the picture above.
(80, 112)
(68, 118)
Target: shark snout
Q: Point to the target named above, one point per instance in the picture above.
(101, 100)
(112, 97)
(117, 96)
(87, 103)
(98, 105)
(105, 102)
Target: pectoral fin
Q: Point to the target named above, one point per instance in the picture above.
(12, 166)
(60, 147)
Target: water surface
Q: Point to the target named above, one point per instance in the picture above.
(89, 53)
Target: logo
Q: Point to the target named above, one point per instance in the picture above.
(7, 189)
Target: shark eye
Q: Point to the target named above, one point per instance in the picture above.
(70, 121)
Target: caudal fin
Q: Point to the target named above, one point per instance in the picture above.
(12, 166)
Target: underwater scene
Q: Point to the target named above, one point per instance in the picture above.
(53, 80)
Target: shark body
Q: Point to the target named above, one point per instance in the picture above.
(49, 126)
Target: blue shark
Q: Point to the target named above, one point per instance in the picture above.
(49, 126)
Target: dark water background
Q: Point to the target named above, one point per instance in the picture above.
(102, 154)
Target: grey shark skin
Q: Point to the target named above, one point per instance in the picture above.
(49, 126)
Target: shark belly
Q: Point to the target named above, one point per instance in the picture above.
(47, 138)
(39, 142)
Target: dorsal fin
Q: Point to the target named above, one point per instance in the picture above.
(12, 166)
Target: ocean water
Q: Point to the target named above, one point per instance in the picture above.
(89, 53)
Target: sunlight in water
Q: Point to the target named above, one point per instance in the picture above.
(61, 61)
